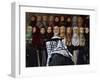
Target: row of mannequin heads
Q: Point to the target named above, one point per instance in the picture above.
(47, 18)
(74, 19)
(63, 32)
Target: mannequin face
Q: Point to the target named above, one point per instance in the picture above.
(81, 30)
(56, 19)
(74, 19)
(62, 18)
(75, 30)
(44, 18)
(29, 29)
(34, 29)
(38, 18)
(69, 30)
(86, 30)
(68, 19)
(80, 20)
(32, 18)
(79, 24)
(49, 30)
(68, 36)
(51, 18)
(42, 30)
(62, 29)
(56, 30)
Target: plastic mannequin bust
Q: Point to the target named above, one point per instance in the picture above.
(62, 34)
(39, 23)
(81, 36)
(69, 35)
(44, 21)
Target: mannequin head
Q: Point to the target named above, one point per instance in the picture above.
(44, 18)
(56, 19)
(68, 36)
(62, 31)
(68, 30)
(68, 19)
(42, 30)
(80, 21)
(74, 19)
(33, 18)
(56, 30)
(62, 18)
(86, 30)
(75, 30)
(49, 29)
(29, 29)
(51, 18)
(39, 18)
(81, 30)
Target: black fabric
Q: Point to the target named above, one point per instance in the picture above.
(42, 53)
(58, 60)
(83, 57)
(49, 35)
(31, 56)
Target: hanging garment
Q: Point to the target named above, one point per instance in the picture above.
(75, 37)
(29, 34)
(43, 54)
(82, 39)
(75, 43)
(31, 56)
